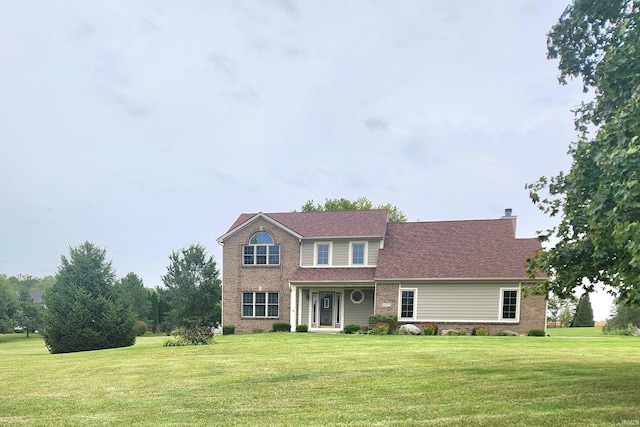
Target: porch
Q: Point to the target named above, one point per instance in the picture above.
(328, 308)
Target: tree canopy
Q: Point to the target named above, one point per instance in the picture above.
(359, 204)
(83, 310)
(598, 199)
(193, 288)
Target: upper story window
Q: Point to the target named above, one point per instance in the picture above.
(358, 253)
(261, 250)
(323, 254)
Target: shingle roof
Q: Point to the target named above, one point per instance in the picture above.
(334, 274)
(454, 249)
(327, 224)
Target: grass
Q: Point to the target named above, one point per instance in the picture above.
(313, 379)
(576, 332)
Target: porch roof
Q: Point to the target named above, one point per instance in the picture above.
(346, 274)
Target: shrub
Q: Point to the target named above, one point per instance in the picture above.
(257, 331)
(280, 327)
(302, 328)
(379, 328)
(391, 321)
(141, 328)
(228, 330)
(480, 330)
(198, 335)
(536, 333)
(429, 329)
(352, 329)
(454, 332)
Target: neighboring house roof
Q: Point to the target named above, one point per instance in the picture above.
(332, 224)
(347, 274)
(454, 250)
(36, 295)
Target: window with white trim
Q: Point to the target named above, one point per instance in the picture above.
(358, 253)
(323, 253)
(260, 304)
(408, 304)
(509, 304)
(261, 250)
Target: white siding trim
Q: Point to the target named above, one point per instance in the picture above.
(415, 303)
(365, 258)
(294, 306)
(517, 319)
(315, 254)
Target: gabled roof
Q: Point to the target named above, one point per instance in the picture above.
(454, 250)
(333, 224)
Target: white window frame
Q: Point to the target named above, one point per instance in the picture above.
(517, 318)
(415, 303)
(365, 254)
(315, 254)
(266, 305)
(255, 255)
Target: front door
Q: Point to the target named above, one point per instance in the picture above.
(326, 308)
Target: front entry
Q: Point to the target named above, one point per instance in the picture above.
(326, 308)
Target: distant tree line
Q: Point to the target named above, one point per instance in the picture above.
(84, 306)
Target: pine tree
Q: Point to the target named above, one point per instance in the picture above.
(83, 311)
(584, 313)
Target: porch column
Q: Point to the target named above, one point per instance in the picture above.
(294, 307)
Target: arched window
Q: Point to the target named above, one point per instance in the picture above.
(261, 250)
(261, 238)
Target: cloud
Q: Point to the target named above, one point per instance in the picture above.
(375, 124)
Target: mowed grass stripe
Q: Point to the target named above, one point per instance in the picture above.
(312, 379)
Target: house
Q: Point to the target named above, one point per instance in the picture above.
(331, 269)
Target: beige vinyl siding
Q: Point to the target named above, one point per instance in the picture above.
(373, 248)
(306, 253)
(358, 314)
(458, 302)
(339, 252)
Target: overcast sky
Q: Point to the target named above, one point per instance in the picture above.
(146, 126)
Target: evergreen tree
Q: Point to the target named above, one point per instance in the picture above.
(132, 289)
(83, 311)
(584, 313)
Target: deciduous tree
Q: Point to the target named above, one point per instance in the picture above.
(8, 306)
(598, 200)
(193, 288)
(359, 204)
(29, 314)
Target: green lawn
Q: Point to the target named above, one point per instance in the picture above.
(312, 379)
(576, 332)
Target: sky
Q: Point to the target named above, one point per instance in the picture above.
(147, 126)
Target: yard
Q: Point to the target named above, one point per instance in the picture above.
(312, 379)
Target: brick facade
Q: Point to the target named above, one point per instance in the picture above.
(386, 302)
(239, 278)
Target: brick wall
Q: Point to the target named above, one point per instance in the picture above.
(386, 298)
(237, 278)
